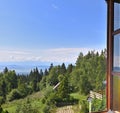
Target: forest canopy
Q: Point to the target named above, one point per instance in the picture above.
(88, 73)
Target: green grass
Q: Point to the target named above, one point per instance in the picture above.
(35, 101)
(11, 106)
(78, 96)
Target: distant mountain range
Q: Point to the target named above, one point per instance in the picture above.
(23, 67)
(26, 66)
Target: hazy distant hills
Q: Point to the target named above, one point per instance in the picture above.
(23, 67)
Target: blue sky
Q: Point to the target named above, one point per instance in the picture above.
(51, 30)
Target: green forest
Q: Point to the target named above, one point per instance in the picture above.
(45, 91)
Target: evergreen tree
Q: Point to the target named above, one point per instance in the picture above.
(3, 91)
(52, 79)
(51, 66)
(5, 70)
(41, 73)
(85, 85)
(10, 79)
(69, 68)
(64, 89)
(34, 85)
(46, 72)
(63, 69)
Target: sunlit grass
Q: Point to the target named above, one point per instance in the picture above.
(35, 101)
(78, 96)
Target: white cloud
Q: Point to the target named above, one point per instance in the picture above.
(47, 55)
(13, 55)
(64, 54)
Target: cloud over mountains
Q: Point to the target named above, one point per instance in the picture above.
(46, 55)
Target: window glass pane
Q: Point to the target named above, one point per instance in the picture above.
(116, 62)
(116, 16)
(116, 93)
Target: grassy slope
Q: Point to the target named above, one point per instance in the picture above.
(35, 100)
(78, 96)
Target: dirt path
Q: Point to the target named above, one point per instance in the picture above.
(67, 109)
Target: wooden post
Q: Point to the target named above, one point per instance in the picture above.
(110, 15)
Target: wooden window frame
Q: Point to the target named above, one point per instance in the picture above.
(110, 26)
(110, 50)
(114, 33)
(110, 44)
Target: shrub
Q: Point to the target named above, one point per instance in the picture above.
(46, 109)
(1, 100)
(14, 94)
(43, 101)
(2, 111)
(26, 107)
(84, 107)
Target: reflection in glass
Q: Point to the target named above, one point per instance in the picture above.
(116, 62)
(116, 93)
(116, 16)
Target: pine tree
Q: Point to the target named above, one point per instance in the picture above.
(63, 89)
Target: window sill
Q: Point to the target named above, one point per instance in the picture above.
(100, 112)
(105, 112)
